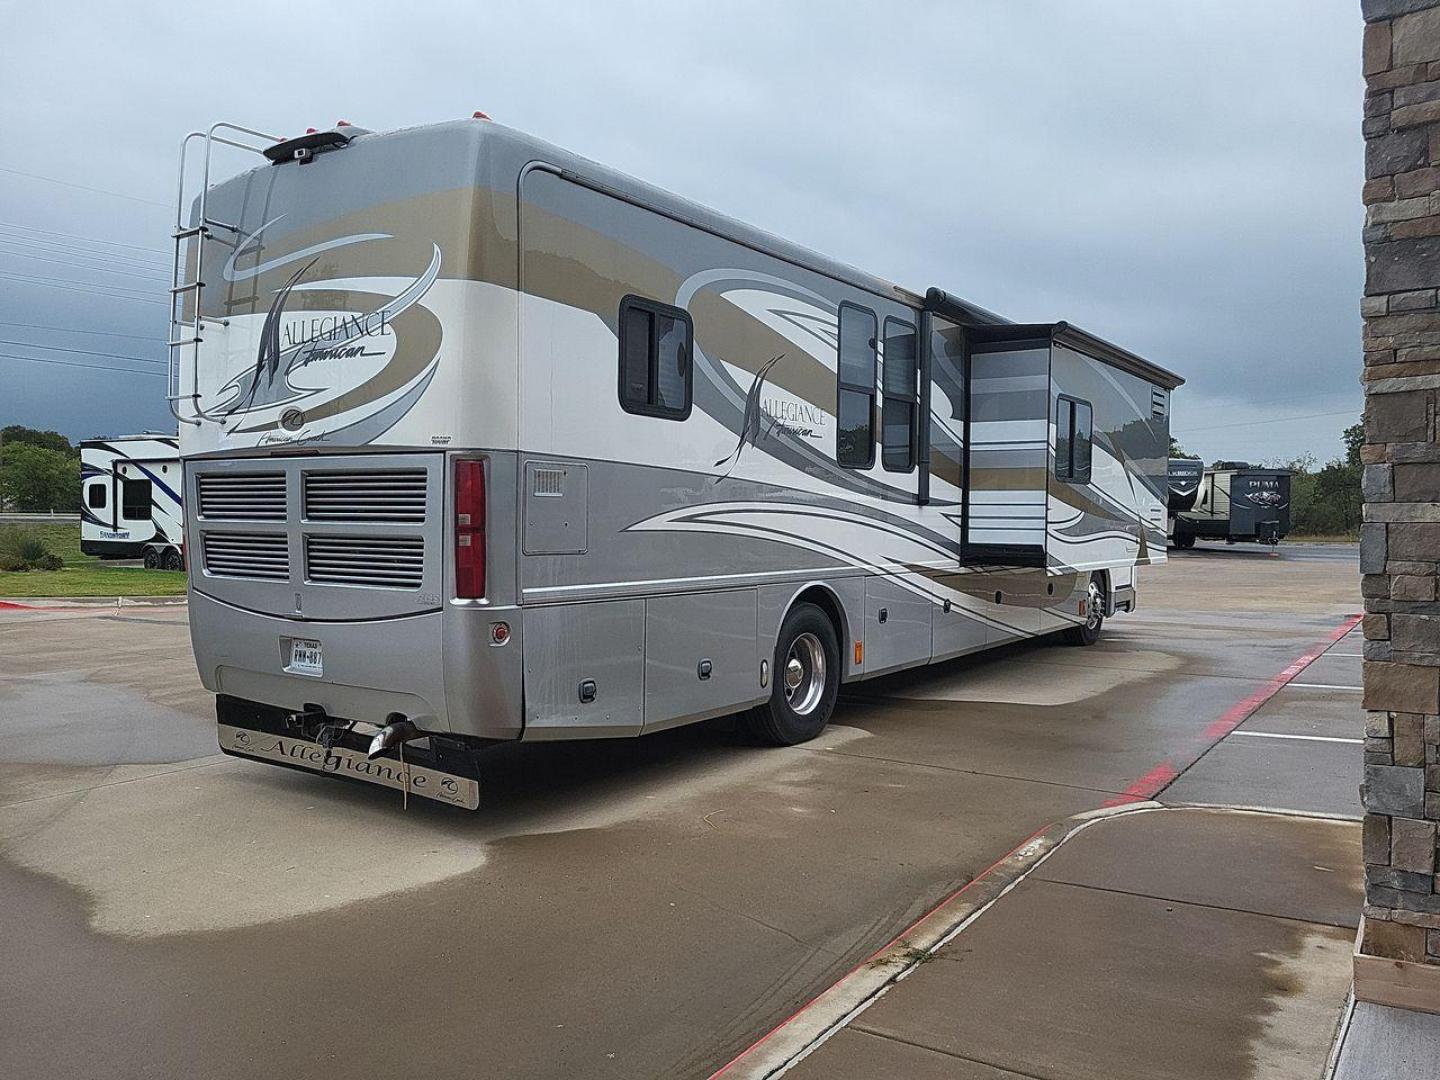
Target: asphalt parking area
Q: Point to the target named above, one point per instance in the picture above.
(626, 908)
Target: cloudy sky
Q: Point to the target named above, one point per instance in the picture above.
(1181, 179)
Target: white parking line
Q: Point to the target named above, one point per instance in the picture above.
(1324, 686)
(1356, 655)
(1303, 738)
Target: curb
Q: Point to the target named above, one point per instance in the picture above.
(832, 1009)
(72, 603)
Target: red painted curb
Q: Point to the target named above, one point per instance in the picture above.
(976, 880)
(1163, 774)
(1146, 787)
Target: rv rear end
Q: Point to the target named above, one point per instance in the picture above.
(348, 427)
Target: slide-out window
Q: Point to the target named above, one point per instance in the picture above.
(135, 500)
(656, 373)
(96, 497)
(901, 408)
(1072, 440)
(855, 407)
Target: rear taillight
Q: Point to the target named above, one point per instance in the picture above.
(470, 529)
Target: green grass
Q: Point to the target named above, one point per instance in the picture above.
(84, 575)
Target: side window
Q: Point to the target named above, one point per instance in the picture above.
(96, 497)
(855, 403)
(656, 375)
(135, 500)
(901, 406)
(1072, 440)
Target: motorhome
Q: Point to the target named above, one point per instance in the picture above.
(130, 508)
(484, 441)
(1236, 502)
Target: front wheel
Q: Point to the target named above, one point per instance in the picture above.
(151, 559)
(1088, 632)
(805, 679)
(1184, 541)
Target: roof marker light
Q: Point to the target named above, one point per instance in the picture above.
(342, 123)
(310, 131)
(478, 115)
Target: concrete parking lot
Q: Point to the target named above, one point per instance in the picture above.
(623, 908)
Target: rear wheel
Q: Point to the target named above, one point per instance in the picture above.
(805, 680)
(1184, 541)
(151, 559)
(1088, 632)
(173, 559)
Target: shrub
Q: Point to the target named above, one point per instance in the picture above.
(24, 550)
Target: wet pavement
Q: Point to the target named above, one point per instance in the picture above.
(625, 908)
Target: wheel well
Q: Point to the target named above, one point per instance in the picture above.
(1103, 576)
(825, 600)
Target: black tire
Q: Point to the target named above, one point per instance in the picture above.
(1184, 541)
(1088, 632)
(173, 559)
(799, 710)
(151, 559)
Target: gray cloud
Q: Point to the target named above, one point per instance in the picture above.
(1182, 179)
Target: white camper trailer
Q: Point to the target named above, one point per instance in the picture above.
(484, 441)
(130, 500)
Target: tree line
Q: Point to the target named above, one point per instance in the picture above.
(39, 472)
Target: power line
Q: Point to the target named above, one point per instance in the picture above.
(84, 187)
(158, 275)
(82, 352)
(1268, 420)
(77, 330)
(78, 236)
(55, 283)
(78, 364)
(66, 248)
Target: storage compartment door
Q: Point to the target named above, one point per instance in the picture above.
(584, 670)
(1009, 437)
(701, 658)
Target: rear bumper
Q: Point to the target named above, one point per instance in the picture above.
(435, 768)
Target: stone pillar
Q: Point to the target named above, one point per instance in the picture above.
(1400, 539)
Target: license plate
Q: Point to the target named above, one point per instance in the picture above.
(428, 783)
(306, 657)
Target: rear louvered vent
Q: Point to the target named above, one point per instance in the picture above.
(1157, 402)
(381, 562)
(265, 556)
(247, 496)
(392, 496)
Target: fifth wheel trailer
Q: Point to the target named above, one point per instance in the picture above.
(1236, 502)
(484, 441)
(130, 500)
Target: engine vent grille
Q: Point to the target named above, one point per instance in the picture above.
(242, 496)
(265, 556)
(549, 482)
(380, 562)
(389, 495)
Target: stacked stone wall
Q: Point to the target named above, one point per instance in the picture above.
(1400, 538)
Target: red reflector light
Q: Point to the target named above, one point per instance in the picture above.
(470, 529)
(478, 115)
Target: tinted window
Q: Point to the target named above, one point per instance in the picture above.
(855, 411)
(900, 410)
(857, 347)
(656, 375)
(96, 497)
(854, 443)
(1072, 440)
(135, 499)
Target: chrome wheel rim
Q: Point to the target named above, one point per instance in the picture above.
(1094, 607)
(804, 674)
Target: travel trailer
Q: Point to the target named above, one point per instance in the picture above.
(484, 441)
(130, 500)
(1236, 502)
